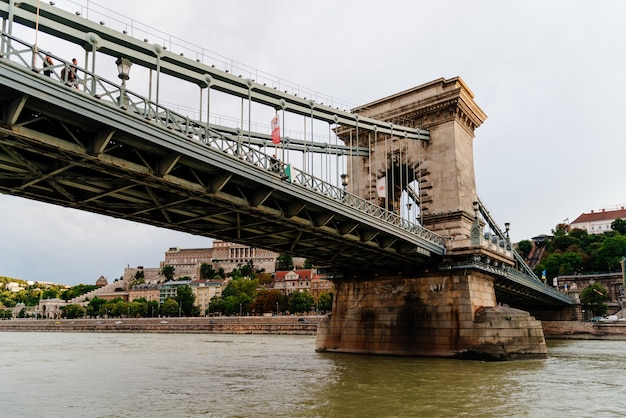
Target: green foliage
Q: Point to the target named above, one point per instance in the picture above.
(95, 305)
(217, 305)
(168, 271)
(206, 271)
(524, 247)
(577, 251)
(72, 311)
(284, 262)
(152, 309)
(169, 307)
(325, 301)
(6, 314)
(76, 291)
(619, 225)
(186, 299)
(611, 252)
(594, 297)
(238, 296)
(300, 302)
(308, 264)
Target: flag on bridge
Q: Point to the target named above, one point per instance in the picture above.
(275, 130)
(381, 184)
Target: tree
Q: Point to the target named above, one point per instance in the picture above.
(611, 252)
(95, 305)
(300, 302)
(72, 311)
(524, 247)
(284, 262)
(325, 301)
(264, 279)
(239, 295)
(206, 271)
(169, 307)
(168, 271)
(307, 264)
(619, 225)
(247, 269)
(217, 305)
(593, 298)
(153, 309)
(186, 300)
(267, 301)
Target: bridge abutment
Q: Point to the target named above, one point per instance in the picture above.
(441, 314)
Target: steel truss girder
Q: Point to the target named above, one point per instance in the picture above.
(108, 164)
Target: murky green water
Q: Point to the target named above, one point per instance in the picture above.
(153, 375)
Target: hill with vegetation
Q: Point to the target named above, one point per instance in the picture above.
(578, 252)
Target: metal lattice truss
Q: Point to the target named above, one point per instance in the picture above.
(77, 149)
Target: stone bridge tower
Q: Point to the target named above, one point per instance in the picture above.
(446, 309)
(442, 168)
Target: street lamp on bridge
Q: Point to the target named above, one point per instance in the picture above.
(345, 178)
(123, 69)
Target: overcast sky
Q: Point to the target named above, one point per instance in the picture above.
(550, 75)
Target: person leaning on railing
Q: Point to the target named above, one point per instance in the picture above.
(72, 78)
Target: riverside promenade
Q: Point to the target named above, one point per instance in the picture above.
(290, 325)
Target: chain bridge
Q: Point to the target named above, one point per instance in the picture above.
(381, 195)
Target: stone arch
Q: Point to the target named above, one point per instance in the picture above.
(400, 168)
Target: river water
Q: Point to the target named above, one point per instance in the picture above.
(206, 375)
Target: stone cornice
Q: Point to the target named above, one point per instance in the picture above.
(431, 104)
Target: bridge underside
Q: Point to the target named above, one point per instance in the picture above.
(61, 146)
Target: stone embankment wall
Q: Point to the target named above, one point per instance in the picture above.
(306, 325)
(584, 330)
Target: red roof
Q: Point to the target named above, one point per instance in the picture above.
(603, 215)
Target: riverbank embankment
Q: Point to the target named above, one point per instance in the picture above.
(286, 325)
(295, 325)
(575, 330)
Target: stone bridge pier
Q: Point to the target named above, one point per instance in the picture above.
(428, 310)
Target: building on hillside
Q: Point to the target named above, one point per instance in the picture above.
(102, 281)
(598, 222)
(187, 261)
(168, 289)
(14, 287)
(49, 308)
(288, 282)
(148, 291)
(205, 290)
(230, 255)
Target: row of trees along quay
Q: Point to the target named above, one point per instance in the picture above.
(248, 292)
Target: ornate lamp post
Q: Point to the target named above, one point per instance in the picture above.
(345, 178)
(123, 69)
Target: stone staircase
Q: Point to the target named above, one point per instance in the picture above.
(109, 288)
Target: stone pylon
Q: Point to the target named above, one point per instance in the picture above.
(447, 307)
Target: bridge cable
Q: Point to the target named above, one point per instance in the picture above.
(36, 49)
(358, 180)
(369, 161)
(393, 169)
